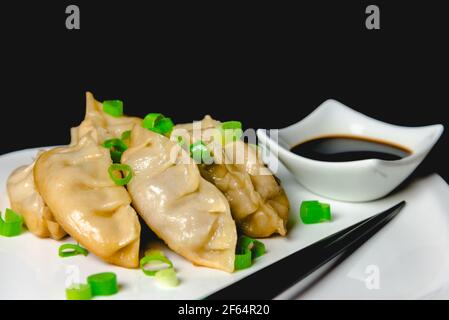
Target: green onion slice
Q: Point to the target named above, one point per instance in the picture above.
(116, 148)
(120, 167)
(113, 107)
(152, 119)
(231, 125)
(314, 212)
(158, 123)
(12, 225)
(156, 260)
(167, 277)
(200, 153)
(230, 131)
(243, 260)
(103, 284)
(70, 250)
(258, 249)
(79, 291)
(247, 250)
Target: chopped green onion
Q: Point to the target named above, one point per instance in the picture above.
(126, 135)
(314, 212)
(158, 123)
(243, 260)
(167, 277)
(200, 153)
(247, 250)
(155, 259)
(152, 119)
(12, 225)
(79, 291)
(231, 125)
(116, 148)
(70, 250)
(244, 244)
(103, 284)
(165, 125)
(258, 249)
(230, 131)
(120, 167)
(113, 107)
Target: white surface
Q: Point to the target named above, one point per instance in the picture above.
(412, 251)
(361, 180)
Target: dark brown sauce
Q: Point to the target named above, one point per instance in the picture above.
(341, 148)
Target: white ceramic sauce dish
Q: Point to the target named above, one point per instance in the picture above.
(361, 180)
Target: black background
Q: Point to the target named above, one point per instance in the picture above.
(265, 64)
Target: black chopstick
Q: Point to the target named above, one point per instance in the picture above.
(270, 281)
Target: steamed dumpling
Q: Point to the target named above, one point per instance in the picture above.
(258, 202)
(75, 184)
(28, 202)
(101, 125)
(190, 214)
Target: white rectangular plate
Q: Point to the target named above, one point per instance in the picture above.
(412, 252)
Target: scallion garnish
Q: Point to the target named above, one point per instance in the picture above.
(156, 264)
(247, 250)
(79, 291)
(158, 123)
(200, 153)
(103, 284)
(12, 225)
(156, 260)
(70, 250)
(314, 212)
(113, 168)
(230, 131)
(116, 148)
(231, 125)
(113, 107)
(243, 260)
(167, 277)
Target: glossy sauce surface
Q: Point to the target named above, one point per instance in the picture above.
(340, 148)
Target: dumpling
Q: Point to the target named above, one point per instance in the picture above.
(190, 214)
(75, 184)
(258, 202)
(101, 125)
(28, 202)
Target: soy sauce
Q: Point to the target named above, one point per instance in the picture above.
(341, 148)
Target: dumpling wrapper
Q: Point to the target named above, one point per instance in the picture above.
(26, 201)
(101, 125)
(190, 214)
(258, 202)
(75, 184)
